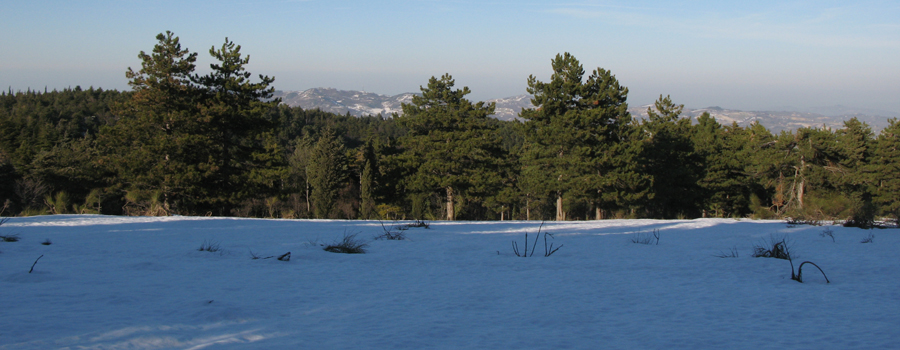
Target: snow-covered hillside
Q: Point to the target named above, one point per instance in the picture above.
(140, 283)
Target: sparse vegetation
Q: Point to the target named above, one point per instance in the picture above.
(347, 245)
(9, 237)
(642, 238)
(733, 253)
(209, 246)
(799, 276)
(868, 238)
(548, 250)
(794, 221)
(35, 263)
(828, 233)
(282, 257)
(392, 232)
(418, 223)
(776, 248)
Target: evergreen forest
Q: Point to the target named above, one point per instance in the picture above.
(181, 143)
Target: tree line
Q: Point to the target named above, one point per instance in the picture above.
(220, 144)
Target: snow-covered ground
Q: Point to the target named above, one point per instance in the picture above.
(140, 283)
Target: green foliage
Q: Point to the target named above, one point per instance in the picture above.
(367, 182)
(886, 170)
(194, 139)
(59, 204)
(450, 147)
(670, 158)
(218, 144)
(327, 172)
(723, 190)
(578, 139)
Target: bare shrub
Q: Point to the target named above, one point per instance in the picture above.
(392, 232)
(776, 248)
(733, 253)
(35, 263)
(642, 238)
(347, 245)
(418, 223)
(209, 246)
(8, 237)
(30, 191)
(799, 276)
(868, 238)
(828, 233)
(548, 250)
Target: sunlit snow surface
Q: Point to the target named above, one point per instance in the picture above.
(140, 283)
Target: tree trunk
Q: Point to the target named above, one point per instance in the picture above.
(451, 214)
(599, 214)
(560, 215)
(308, 208)
(527, 208)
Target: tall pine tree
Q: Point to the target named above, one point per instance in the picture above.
(450, 145)
(576, 136)
(189, 140)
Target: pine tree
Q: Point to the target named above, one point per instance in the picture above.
(327, 174)
(724, 185)
(574, 136)
(155, 125)
(671, 161)
(450, 145)
(886, 168)
(191, 138)
(367, 182)
(299, 173)
(232, 116)
(854, 176)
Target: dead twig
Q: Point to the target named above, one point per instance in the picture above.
(35, 263)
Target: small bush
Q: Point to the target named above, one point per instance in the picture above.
(393, 233)
(828, 233)
(548, 250)
(209, 246)
(348, 245)
(868, 238)
(10, 237)
(647, 238)
(418, 223)
(776, 248)
(802, 220)
(733, 253)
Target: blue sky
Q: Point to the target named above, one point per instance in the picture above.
(754, 56)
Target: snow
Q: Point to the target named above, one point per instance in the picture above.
(111, 282)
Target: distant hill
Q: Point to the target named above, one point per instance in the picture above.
(360, 103)
(357, 103)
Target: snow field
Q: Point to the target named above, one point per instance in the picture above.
(140, 283)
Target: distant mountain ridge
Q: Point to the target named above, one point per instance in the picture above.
(361, 103)
(357, 103)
